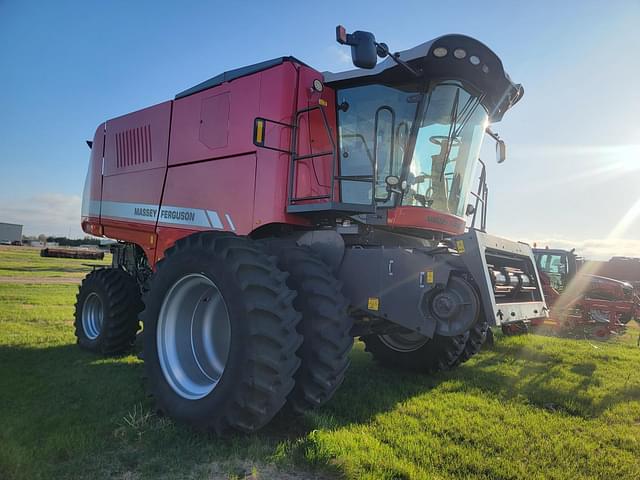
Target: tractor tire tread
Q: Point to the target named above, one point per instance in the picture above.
(266, 373)
(122, 304)
(325, 327)
(477, 337)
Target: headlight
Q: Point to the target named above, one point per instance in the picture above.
(459, 53)
(440, 52)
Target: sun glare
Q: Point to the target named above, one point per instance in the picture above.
(580, 283)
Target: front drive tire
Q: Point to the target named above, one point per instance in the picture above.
(412, 351)
(220, 333)
(106, 312)
(478, 335)
(325, 327)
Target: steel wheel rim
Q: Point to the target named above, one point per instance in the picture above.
(404, 342)
(193, 336)
(92, 316)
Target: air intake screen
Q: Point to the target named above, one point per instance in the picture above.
(133, 147)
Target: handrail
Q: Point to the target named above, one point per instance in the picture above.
(293, 152)
(481, 197)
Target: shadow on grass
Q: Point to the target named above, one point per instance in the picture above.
(566, 383)
(69, 413)
(557, 381)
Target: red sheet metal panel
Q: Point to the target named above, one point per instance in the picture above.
(425, 218)
(215, 123)
(138, 141)
(135, 162)
(213, 195)
(313, 175)
(277, 103)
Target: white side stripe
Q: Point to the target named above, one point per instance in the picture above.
(230, 222)
(166, 215)
(137, 211)
(214, 220)
(184, 216)
(91, 208)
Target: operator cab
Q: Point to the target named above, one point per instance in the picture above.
(410, 128)
(560, 266)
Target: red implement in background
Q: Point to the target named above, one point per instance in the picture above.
(580, 300)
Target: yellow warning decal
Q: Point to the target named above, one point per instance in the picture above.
(429, 276)
(373, 303)
(460, 246)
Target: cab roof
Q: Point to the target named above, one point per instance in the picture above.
(487, 75)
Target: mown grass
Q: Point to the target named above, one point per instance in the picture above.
(531, 407)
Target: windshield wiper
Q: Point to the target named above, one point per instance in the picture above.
(452, 132)
(467, 111)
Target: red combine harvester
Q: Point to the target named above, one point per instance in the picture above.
(270, 214)
(579, 300)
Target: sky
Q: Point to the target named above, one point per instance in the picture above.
(572, 175)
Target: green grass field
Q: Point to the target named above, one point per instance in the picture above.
(25, 262)
(532, 407)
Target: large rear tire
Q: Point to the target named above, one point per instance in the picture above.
(220, 333)
(106, 312)
(413, 351)
(325, 327)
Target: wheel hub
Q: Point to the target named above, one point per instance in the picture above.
(193, 336)
(455, 308)
(445, 305)
(92, 316)
(404, 341)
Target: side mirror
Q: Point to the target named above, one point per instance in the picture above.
(364, 53)
(501, 151)
(470, 210)
(501, 147)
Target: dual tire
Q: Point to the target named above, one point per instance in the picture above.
(220, 333)
(325, 327)
(232, 331)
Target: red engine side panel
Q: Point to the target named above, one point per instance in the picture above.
(135, 163)
(212, 195)
(217, 122)
(199, 151)
(212, 133)
(137, 141)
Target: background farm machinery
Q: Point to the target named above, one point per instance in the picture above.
(581, 301)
